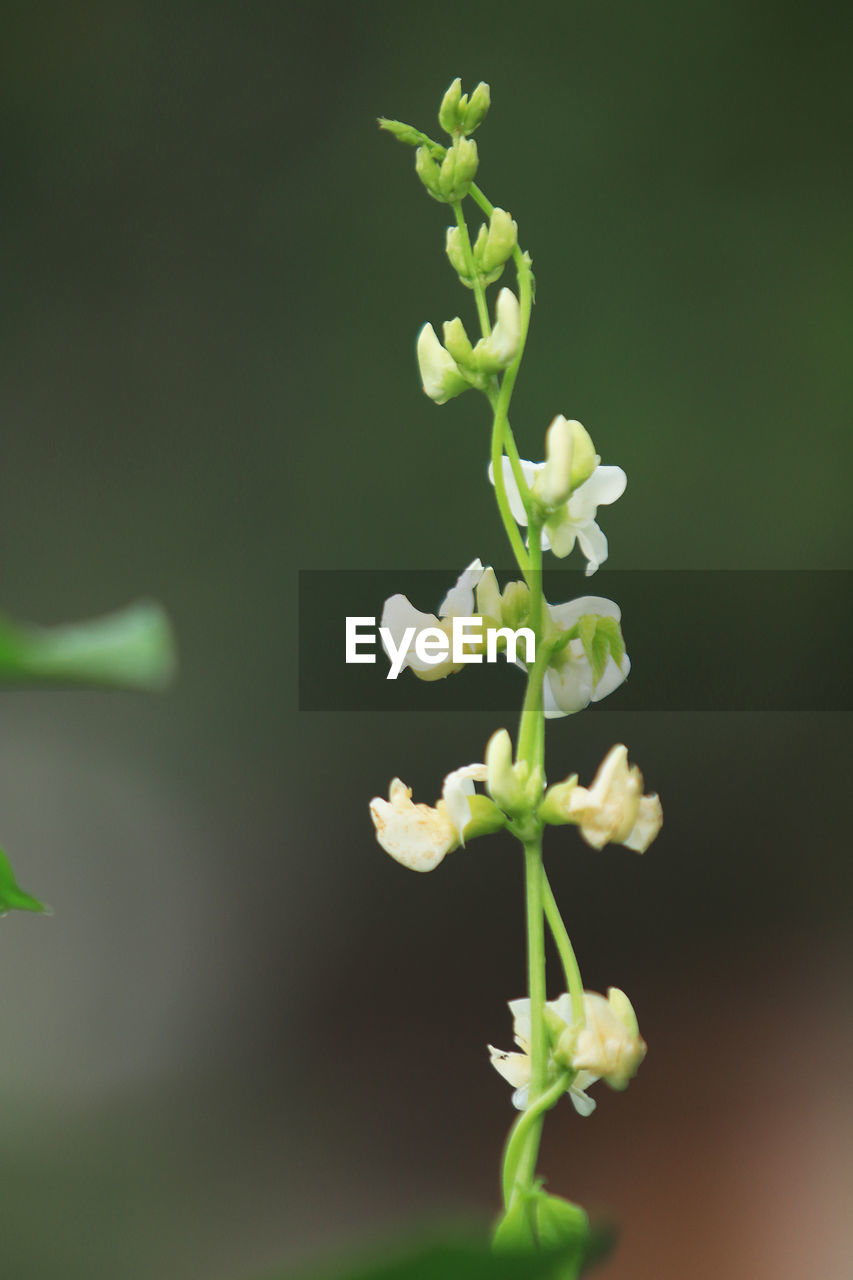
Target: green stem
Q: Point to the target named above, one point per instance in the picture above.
(564, 949)
(473, 273)
(520, 1132)
(526, 1163)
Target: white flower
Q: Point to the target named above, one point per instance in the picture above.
(439, 372)
(399, 614)
(575, 519)
(568, 685)
(420, 835)
(607, 1047)
(614, 807)
(515, 1067)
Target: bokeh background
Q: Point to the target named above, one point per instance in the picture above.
(247, 1037)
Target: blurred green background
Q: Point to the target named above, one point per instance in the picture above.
(246, 1036)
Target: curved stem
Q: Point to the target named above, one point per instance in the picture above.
(564, 949)
(520, 1131)
(473, 273)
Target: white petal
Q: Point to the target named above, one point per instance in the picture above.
(571, 687)
(459, 601)
(458, 786)
(514, 1067)
(521, 1097)
(398, 614)
(566, 615)
(611, 678)
(582, 1103)
(561, 534)
(529, 470)
(415, 835)
(593, 544)
(604, 486)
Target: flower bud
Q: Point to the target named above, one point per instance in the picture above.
(473, 113)
(502, 345)
(449, 111)
(515, 604)
(554, 808)
(584, 457)
(495, 246)
(428, 172)
(489, 596)
(456, 254)
(456, 341)
(458, 169)
(554, 482)
(439, 373)
(402, 132)
(502, 781)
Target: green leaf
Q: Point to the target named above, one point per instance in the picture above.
(130, 649)
(459, 1259)
(12, 897)
(610, 628)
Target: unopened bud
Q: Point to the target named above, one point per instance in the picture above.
(456, 341)
(501, 347)
(554, 482)
(495, 245)
(439, 374)
(458, 169)
(455, 251)
(474, 112)
(515, 604)
(555, 807)
(449, 112)
(584, 457)
(428, 172)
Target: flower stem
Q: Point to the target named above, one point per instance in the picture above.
(520, 1132)
(565, 949)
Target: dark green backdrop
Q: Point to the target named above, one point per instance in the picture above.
(246, 1035)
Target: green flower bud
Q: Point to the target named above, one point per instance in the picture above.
(562, 1225)
(501, 347)
(449, 114)
(456, 341)
(584, 457)
(554, 482)
(456, 254)
(474, 112)
(495, 246)
(489, 596)
(515, 605)
(428, 172)
(486, 817)
(504, 785)
(439, 373)
(458, 170)
(554, 808)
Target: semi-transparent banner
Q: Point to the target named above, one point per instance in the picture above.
(696, 640)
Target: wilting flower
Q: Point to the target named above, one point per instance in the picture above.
(607, 1047)
(420, 835)
(568, 685)
(574, 519)
(614, 808)
(399, 615)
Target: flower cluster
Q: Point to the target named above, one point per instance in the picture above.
(606, 1046)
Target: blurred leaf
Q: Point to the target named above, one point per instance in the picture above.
(130, 649)
(468, 1259)
(12, 897)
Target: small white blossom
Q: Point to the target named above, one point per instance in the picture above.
(608, 1047)
(399, 614)
(574, 520)
(419, 836)
(614, 807)
(568, 685)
